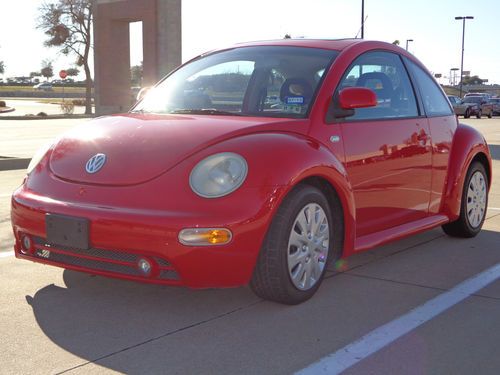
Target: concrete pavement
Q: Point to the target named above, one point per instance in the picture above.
(21, 139)
(57, 321)
(24, 107)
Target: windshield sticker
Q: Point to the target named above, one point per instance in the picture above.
(292, 108)
(295, 100)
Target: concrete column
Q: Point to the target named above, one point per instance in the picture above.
(161, 47)
(169, 43)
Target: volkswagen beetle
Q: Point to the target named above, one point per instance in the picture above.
(260, 164)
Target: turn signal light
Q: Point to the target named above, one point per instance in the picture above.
(205, 236)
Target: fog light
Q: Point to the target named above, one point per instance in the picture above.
(144, 266)
(26, 244)
(205, 236)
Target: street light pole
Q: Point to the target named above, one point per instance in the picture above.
(362, 19)
(408, 40)
(463, 43)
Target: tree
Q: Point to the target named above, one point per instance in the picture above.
(47, 69)
(136, 75)
(72, 72)
(287, 36)
(396, 42)
(2, 67)
(67, 23)
(35, 74)
(474, 80)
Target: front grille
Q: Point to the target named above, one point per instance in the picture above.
(120, 256)
(110, 261)
(89, 263)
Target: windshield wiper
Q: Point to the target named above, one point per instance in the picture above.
(203, 111)
(138, 111)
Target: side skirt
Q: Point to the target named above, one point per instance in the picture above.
(388, 235)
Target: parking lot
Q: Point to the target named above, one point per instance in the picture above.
(58, 321)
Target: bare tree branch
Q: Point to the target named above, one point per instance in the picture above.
(67, 24)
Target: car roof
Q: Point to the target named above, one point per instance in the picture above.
(333, 44)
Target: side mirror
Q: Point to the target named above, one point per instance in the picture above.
(357, 97)
(142, 93)
(348, 99)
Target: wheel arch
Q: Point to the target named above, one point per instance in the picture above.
(468, 146)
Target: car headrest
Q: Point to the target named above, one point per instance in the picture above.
(378, 82)
(296, 91)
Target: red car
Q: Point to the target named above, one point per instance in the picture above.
(259, 164)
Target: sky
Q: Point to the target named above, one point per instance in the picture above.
(209, 24)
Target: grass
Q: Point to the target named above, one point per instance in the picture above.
(67, 89)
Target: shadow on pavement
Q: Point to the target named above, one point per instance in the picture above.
(98, 319)
(495, 151)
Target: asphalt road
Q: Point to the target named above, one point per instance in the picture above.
(57, 321)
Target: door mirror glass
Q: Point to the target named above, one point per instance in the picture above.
(357, 97)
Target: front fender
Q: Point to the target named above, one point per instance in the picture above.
(468, 143)
(286, 159)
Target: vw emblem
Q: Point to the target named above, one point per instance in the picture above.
(95, 163)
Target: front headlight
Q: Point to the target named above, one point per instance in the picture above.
(218, 175)
(38, 156)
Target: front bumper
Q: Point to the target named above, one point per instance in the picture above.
(120, 236)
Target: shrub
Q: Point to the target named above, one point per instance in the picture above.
(2, 104)
(79, 102)
(67, 107)
(41, 114)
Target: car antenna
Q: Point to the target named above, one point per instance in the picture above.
(356, 37)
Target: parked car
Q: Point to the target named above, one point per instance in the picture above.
(44, 86)
(495, 102)
(482, 106)
(484, 95)
(260, 164)
(463, 109)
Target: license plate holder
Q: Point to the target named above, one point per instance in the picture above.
(67, 231)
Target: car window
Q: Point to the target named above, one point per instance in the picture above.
(434, 100)
(385, 74)
(473, 99)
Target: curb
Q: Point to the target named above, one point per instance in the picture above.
(6, 109)
(10, 164)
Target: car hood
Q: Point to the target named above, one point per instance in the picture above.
(139, 148)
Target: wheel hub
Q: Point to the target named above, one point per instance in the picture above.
(308, 246)
(476, 199)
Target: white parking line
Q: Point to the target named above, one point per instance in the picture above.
(6, 254)
(494, 208)
(377, 339)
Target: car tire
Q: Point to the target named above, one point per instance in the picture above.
(474, 204)
(490, 115)
(479, 114)
(294, 258)
(467, 113)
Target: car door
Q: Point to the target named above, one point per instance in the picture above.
(387, 147)
(442, 124)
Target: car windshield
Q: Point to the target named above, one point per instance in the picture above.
(248, 81)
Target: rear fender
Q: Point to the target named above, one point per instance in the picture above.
(467, 144)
